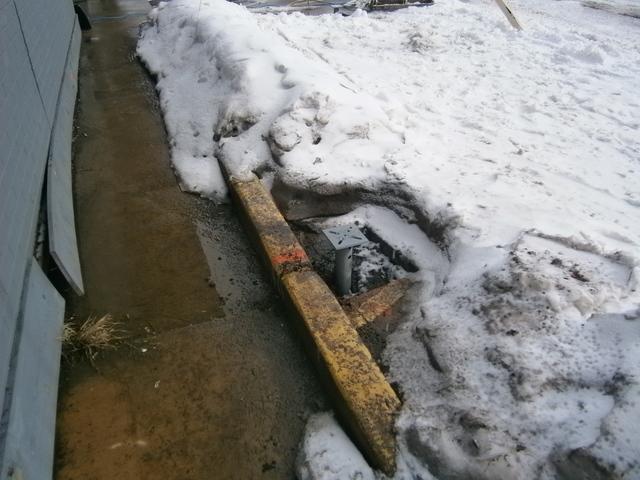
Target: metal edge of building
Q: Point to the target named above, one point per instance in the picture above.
(27, 425)
(30, 429)
(63, 244)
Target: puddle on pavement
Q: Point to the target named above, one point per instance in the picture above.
(235, 272)
(212, 382)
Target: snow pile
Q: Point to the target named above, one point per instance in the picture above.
(517, 153)
(524, 371)
(221, 78)
(327, 453)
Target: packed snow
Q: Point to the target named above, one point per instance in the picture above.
(327, 453)
(505, 163)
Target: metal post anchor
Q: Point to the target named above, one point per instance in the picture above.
(343, 269)
(343, 239)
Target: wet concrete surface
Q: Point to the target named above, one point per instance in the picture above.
(212, 382)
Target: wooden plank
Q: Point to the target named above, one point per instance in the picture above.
(363, 397)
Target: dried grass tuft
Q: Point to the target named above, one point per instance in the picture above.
(92, 337)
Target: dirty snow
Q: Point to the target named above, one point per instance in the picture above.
(518, 153)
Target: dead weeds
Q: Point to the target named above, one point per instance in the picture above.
(95, 335)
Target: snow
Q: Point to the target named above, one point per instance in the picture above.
(505, 164)
(328, 453)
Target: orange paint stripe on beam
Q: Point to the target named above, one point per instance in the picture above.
(296, 255)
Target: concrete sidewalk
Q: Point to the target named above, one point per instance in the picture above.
(213, 383)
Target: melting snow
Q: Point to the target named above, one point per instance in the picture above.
(518, 153)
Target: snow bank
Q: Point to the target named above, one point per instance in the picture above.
(519, 149)
(222, 78)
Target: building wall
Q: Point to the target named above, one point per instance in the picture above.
(35, 41)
